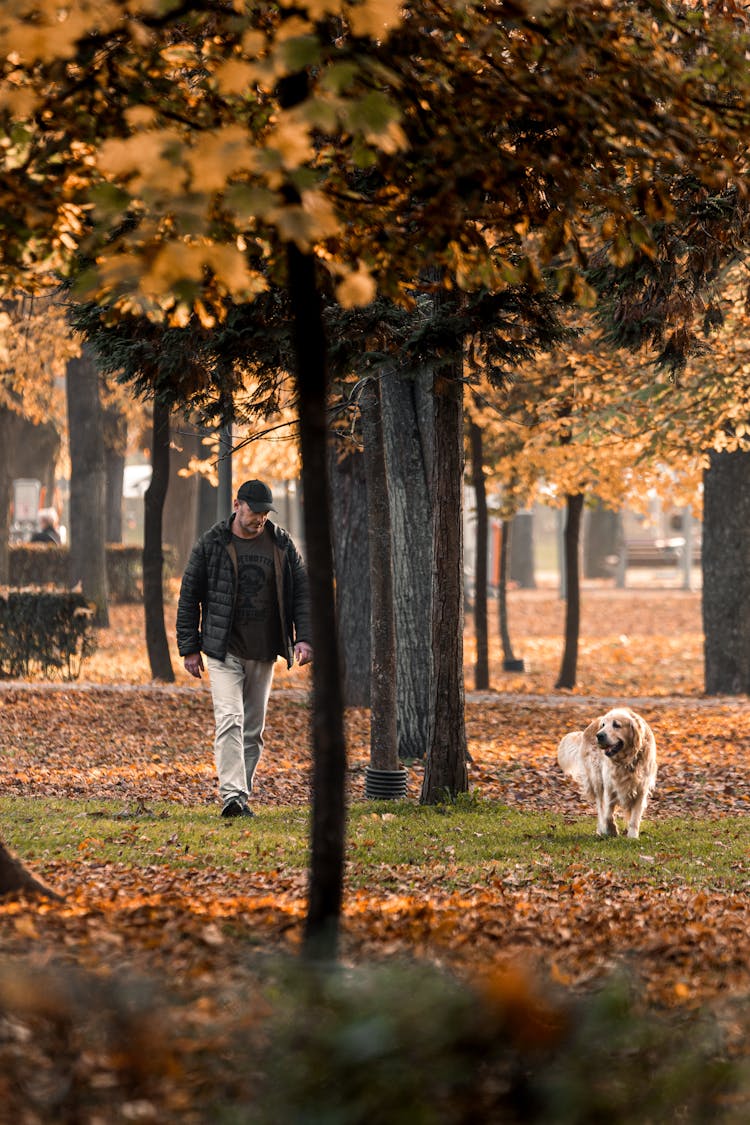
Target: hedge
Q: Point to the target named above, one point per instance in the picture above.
(44, 632)
(42, 564)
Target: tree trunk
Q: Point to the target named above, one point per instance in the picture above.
(88, 561)
(15, 880)
(329, 747)
(7, 443)
(521, 561)
(600, 541)
(726, 573)
(383, 740)
(181, 502)
(482, 665)
(350, 546)
(226, 492)
(506, 538)
(408, 429)
(569, 666)
(207, 507)
(36, 452)
(157, 644)
(115, 448)
(445, 771)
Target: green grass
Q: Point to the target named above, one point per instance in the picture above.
(463, 843)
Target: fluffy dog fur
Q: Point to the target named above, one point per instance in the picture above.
(613, 762)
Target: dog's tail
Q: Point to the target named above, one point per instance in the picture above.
(569, 756)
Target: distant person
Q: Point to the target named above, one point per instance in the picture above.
(244, 600)
(47, 532)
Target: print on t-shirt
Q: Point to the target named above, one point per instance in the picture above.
(255, 626)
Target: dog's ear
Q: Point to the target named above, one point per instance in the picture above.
(639, 731)
(590, 732)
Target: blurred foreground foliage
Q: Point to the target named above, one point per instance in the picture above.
(395, 1044)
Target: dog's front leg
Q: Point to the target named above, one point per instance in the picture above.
(636, 814)
(605, 815)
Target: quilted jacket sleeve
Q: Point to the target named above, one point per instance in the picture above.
(301, 615)
(192, 595)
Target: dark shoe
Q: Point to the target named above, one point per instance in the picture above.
(236, 808)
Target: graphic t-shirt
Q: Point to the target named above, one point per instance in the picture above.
(256, 628)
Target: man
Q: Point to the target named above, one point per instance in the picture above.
(244, 600)
(47, 532)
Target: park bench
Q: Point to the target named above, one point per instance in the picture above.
(659, 552)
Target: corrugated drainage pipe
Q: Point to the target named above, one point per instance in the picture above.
(385, 785)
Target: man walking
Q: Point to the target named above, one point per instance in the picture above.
(244, 600)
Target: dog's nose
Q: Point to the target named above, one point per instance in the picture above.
(601, 738)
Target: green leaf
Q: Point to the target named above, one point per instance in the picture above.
(301, 52)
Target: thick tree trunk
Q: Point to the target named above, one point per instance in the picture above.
(207, 506)
(383, 741)
(726, 573)
(115, 448)
(521, 561)
(181, 501)
(115, 474)
(7, 444)
(157, 644)
(36, 452)
(350, 544)
(329, 747)
(16, 880)
(482, 664)
(445, 771)
(569, 666)
(408, 428)
(600, 541)
(88, 561)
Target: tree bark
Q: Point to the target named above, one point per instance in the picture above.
(157, 644)
(7, 444)
(569, 666)
(506, 539)
(88, 561)
(383, 738)
(350, 545)
(600, 541)
(180, 505)
(329, 747)
(445, 772)
(115, 447)
(408, 428)
(482, 664)
(16, 880)
(726, 573)
(521, 562)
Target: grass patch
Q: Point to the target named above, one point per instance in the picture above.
(464, 843)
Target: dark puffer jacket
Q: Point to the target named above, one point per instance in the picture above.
(209, 590)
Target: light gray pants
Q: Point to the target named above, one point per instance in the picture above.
(240, 691)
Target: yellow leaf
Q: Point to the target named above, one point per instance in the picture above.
(218, 156)
(375, 17)
(291, 139)
(175, 262)
(357, 289)
(236, 76)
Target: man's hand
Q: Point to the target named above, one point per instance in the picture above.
(194, 664)
(303, 653)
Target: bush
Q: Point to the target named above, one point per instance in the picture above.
(41, 564)
(44, 632)
(415, 1046)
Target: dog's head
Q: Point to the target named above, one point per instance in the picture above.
(621, 733)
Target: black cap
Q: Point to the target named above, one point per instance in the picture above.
(257, 496)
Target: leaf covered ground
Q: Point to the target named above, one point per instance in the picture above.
(114, 738)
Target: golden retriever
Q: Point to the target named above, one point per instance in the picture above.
(613, 762)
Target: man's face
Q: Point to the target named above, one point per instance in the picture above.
(247, 523)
